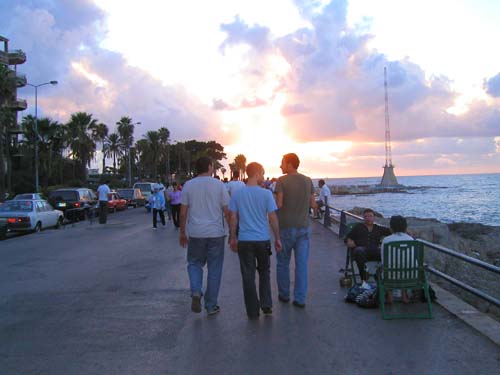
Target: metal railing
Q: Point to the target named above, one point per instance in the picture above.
(450, 252)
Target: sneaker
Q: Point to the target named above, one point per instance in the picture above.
(298, 304)
(267, 311)
(196, 304)
(214, 311)
(283, 299)
(155, 228)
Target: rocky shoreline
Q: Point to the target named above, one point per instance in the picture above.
(473, 239)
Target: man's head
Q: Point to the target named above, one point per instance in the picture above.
(369, 216)
(289, 163)
(398, 224)
(204, 165)
(321, 183)
(255, 170)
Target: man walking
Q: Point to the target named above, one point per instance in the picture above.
(294, 197)
(204, 204)
(157, 202)
(102, 192)
(252, 208)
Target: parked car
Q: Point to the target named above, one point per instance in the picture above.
(76, 203)
(115, 202)
(29, 196)
(133, 196)
(3, 227)
(30, 215)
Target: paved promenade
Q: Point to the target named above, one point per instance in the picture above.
(115, 300)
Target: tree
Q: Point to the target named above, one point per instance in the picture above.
(112, 148)
(99, 134)
(164, 134)
(153, 152)
(223, 170)
(241, 163)
(79, 139)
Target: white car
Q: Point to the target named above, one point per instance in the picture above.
(30, 215)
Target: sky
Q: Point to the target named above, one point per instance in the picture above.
(265, 78)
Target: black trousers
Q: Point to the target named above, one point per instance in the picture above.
(162, 216)
(255, 256)
(362, 254)
(103, 212)
(176, 210)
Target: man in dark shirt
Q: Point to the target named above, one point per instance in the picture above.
(365, 240)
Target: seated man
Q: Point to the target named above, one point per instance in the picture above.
(398, 228)
(365, 240)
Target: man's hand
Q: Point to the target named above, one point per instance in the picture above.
(233, 242)
(183, 239)
(277, 245)
(350, 243)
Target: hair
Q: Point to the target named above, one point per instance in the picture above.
(292, 159)
(253, 168)
(236, 174)
(368, 210)
(321, 182)
(202, 164)
(398, 224)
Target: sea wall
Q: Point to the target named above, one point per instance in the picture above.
(475, 240)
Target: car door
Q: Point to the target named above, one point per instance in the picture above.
(40, 213)
(52, 215)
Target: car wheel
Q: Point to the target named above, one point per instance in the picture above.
(60, 222)
(38, 227)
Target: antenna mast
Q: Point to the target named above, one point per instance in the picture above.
(388, 156)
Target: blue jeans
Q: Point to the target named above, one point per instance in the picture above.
(298, 240)
(203, 251)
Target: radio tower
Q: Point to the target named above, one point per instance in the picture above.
(389, 178)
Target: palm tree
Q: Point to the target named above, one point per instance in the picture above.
(153, 138)
(125, 128)
(99, 134)
(112, 148)
(164, 134)
(79, 139)
(223, 170)
(241, 162)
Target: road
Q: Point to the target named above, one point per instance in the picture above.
(114, 299)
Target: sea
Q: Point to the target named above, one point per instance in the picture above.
(471, 198)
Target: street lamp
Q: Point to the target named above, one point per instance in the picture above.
(36, 127)
(129, 162)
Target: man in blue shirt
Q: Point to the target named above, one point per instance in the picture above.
(252, 209)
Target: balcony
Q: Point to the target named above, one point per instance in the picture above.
(17, 104)
(4, 58)
(16, 57)
(19, 78)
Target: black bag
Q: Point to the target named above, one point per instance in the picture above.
(352, 293)
(368, 299)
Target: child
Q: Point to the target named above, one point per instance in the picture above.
(157, 202)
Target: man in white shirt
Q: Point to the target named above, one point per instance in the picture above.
(324, 201)
(235, 183)
(204, 204)
(102, 191)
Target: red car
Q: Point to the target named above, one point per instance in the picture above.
(115, 202)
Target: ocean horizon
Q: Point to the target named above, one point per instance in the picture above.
(471, 198)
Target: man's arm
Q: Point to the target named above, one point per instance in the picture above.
(279, 199)
(183, 239)
(233, 225)
(273, 220)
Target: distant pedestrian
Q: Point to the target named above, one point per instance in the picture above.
(103, 192)
(204, 204)
(294, 197)
(168, 207)
(235, 183)
(252, 208)
(157, 202)
(175, 204)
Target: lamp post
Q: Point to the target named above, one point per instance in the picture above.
(36, 127)
(129, 162)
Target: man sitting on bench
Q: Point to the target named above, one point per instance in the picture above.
(364, 240)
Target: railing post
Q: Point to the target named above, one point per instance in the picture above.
(343, 225)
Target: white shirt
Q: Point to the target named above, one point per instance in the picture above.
(103, 191)
(234, 185)
(325, 193)
(398, 236)
(205, 198)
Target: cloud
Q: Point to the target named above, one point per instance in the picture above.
(239, 32)
(62, 41)
(492, 86)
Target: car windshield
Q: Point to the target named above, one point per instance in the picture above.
(25, 196)
(16, 206)
(64, 195)
(126, 193)
(144, 187)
